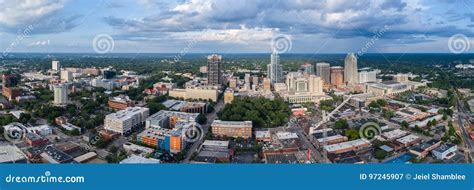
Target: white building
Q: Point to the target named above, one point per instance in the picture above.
(351, 76)
(66, 76)
(367, 76)
(275, 69)
(445, 151)
(303, 88)
(124, 120)
(56, 66)
(60, 94)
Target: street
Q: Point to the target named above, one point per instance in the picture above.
(210, 118)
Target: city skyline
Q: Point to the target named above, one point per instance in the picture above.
(249, 26)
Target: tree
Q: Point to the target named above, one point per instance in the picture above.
(75, 132)
(155, 107)
(405, 124)
(352, 134)
(380, 154)
(261, 111)
(201, 119)
(1, 130)
(341, 124)
(382, 102)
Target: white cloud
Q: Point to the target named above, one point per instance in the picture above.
(20, 12)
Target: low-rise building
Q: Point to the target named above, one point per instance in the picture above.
(212, 151)
(168, 119)
(331, 140)
(263, 135)
(409, 140)
(123, 121)
(445, 151)
(196, 93)
(120, 102)
(343, 147)
(11, 154)
(394, 134)
(423, 149)
(234, 129)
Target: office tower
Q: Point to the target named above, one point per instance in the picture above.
(9, 89)
(56, 65)
(60, 94)
(247, 79)
(300, 83)
(66, 76)
(214, 69)
(308, 69)
(267, 84)
(274, 69)
(255, 82)
(351, 75)
(323, 70)
(337, 76)
(233, 82)
(367, 76)
(108, 74)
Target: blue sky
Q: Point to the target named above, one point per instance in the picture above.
(235, 26)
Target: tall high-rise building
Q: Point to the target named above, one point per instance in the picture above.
(247, 82)
(308, 69)
(66, 75)
(60, 94)
(337, 75)
(214, 69)
(351, 75)
(55, 65)
(255, 82)
(323, 70)
(274, 69)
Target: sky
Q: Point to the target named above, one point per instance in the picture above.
(236, 26)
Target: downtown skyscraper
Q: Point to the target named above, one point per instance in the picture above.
(323, 70)
(274, 69)
(214, 69)
(351, 75)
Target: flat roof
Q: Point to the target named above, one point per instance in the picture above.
(408, 139)
(237, 124)
(216, 143)
(330, 138)
(394, 134)
(286, 135)
(345, 145)
(134, 159)
(10, 153)
(444, 148)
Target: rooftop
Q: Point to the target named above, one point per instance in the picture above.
(346, 145)
(231, 123)
(10, 153)
(216, 143)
